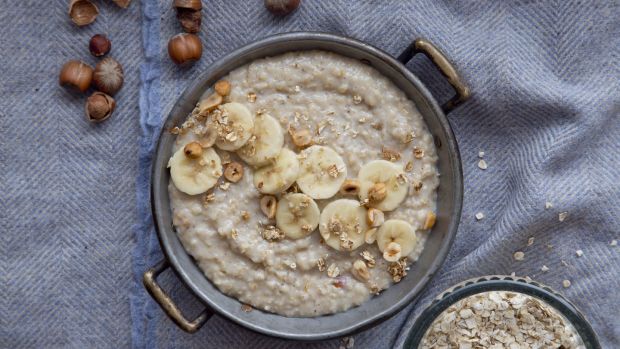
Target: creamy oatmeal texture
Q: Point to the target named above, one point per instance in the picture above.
(501, 320)
(321, 102)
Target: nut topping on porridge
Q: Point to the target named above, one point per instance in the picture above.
(417, 186)
(431, 218)
(418, 153)
(272, 233)
(360, 270)
(291, 174)
(193, 150)
(233, 172)
(398, 269)
(268, 205)
(390, 154)
(350, 187)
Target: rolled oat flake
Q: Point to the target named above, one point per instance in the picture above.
(498, 320)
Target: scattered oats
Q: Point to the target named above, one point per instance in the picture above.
(579, 253)
(362, 120)
(357, 99)
(389, 154)
(272, 233)
(566, 283)
(207, 198)
(225, 185)
(374, 288)
(293, 265)
(377, 126)
(481, 154)
(409, 137)
(333, 171)
(251, 97)
(518, 256)
(562, 216)
(320, 263)
(613, 243)
(175, 130)
(482, 164)
(297, 88)
(417, 186)
(479, 215)
(548, 205)
(401, 179)
(409, 166)
(354, 134)
(246, 308)
(370, 260)
(530, 241)
(333, 271)
(398, 270)
(245, 215)
(234, 234)
(544, 269)
(418, 153)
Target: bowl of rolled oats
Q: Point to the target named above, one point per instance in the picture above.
(498, 312)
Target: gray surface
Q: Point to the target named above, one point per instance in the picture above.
(545, 110)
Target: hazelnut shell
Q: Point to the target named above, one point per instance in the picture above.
(122, 3)
(189, 4)
(99, 107)
(190, 20)
(82, 12)
(108, 77)
(76, 74)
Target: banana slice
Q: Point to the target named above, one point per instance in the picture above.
(195, 174)
(343, 224)
(265, 143)
(322, 172)
(280, 174)
(235, 124)
(297, 215)
(396, 238)
(383, 184)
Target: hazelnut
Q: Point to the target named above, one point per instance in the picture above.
(233, 172)
(184, 48)
(268, 206)
(301, 138)
(108, 76)
(370, 236)
(76, 74)
(282, 7)
(392, 252)
(122, 3)
(350, 187)
(377, 193)
(195, 5)
(208, 104)
(375, 217)
(193, 150)
(431, 218)
(190, 20)
(360, 271)
(99, 107)
(82, 12)
(99, 45)
(222, 88)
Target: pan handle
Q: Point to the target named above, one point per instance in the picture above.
(167, 304)
(445, 67)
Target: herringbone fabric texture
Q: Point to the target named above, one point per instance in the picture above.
(76, 227)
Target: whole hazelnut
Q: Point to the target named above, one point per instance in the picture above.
(99, 107)
(108, 76)
(76, 74)
(184, 48)
(99, 45)
(193, 150)
(282, 7)
(82, 12)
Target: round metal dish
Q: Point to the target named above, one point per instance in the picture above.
(379, 308)
(501, 283)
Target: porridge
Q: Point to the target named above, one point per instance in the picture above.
(305, 184)
(498, 320)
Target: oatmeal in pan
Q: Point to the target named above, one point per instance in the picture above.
(303, 184)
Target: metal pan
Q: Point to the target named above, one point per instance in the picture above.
(378, 308)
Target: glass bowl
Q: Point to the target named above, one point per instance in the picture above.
(502, 283)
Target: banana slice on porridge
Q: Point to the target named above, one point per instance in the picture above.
(322, 172)
(383, 184)
(235, 124)
(396, 238)
(297, 215)
(265, 143)
(279, 174)
(195, 170)
(343, 224)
